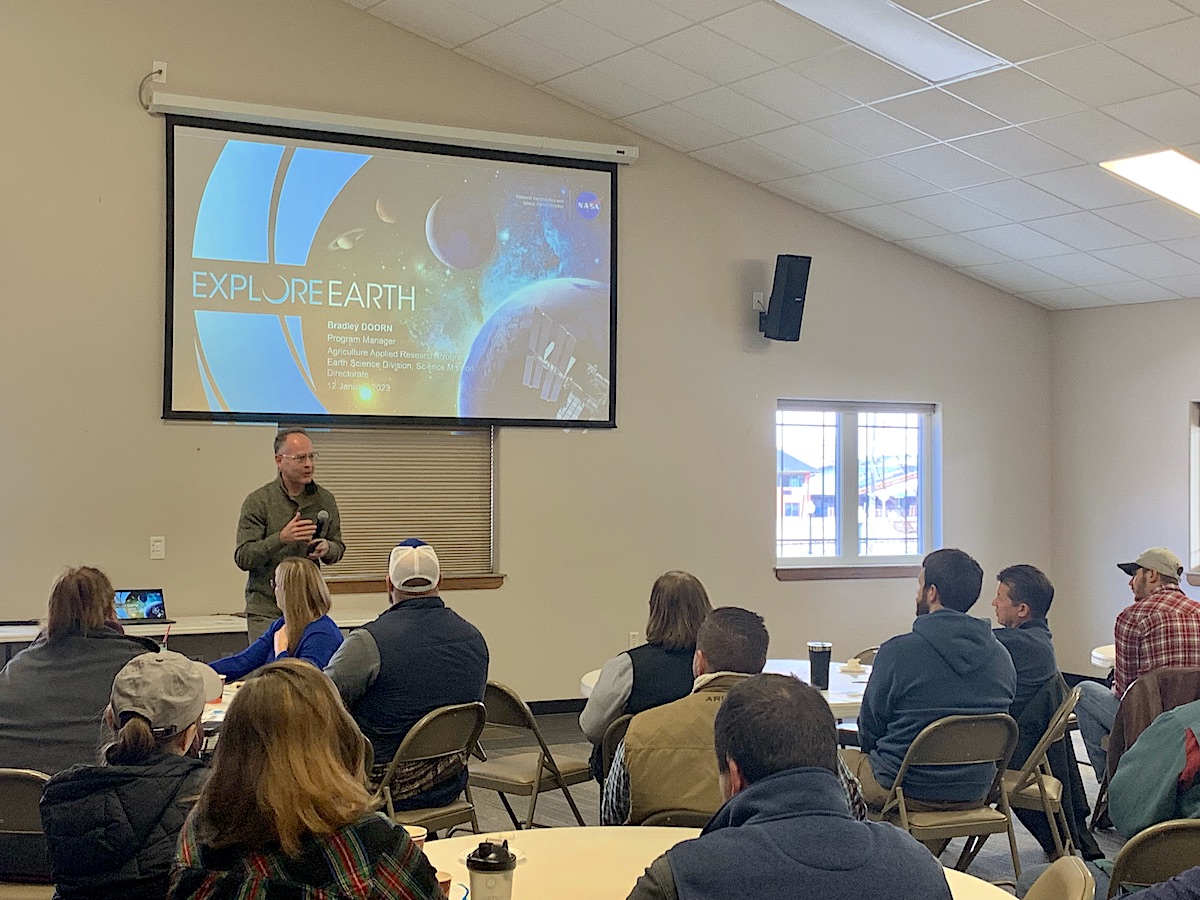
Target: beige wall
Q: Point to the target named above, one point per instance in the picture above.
(586, 519)
(1124, 379)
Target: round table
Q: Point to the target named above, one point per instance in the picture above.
(604, 863)
(845, 689)
(1105, 656)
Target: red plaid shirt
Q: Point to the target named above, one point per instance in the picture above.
(1160, 630)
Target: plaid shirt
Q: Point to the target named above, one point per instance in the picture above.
(371, 859)
(1160, 630)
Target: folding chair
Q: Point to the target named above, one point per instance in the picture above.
(447, 731)
(524, 774)
(24, 856)
(1068, 878)
(613, 735)
(1035, 787)
(847, 732)
(678, 818)
(957, 741)
(1158, 853)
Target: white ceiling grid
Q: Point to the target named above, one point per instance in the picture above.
(993, 175)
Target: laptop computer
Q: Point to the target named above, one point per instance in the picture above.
(142, 606)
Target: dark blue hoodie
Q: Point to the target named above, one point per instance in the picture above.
(951, 664)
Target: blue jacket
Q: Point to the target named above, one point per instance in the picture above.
(791, 835)
(1032, 653)
(320, 639)
(950, 664)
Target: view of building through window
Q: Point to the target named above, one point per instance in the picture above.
(850, 481)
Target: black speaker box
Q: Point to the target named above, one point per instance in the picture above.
(785, 310)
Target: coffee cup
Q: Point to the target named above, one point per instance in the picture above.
(490, 867)
(443, 880)
(417, 834)
(819, 653)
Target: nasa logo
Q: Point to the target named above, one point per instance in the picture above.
(588, 205)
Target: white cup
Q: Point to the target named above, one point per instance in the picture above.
(417, 834)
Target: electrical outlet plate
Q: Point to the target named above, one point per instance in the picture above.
(760, 302)
(160, 70)
(158, 548)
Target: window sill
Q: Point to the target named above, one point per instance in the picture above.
(449, 583)
(845, 573)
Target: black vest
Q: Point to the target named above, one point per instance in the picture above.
(429, 656)
(659, 676)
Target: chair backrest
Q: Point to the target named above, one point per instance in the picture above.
(963, 740)
(443, 732)
(1067, 878)
(23, 852)
(1056, 729)
(613, 735)
(867, 656)
(1156, 854)
(1146, 699)
(678, 818)
(506, 708)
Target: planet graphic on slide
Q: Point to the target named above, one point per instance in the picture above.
(383, 209)
(493, 382)
(347, 239)
(461, 231)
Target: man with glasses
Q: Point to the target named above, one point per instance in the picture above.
(1160, 629)
(290, 516)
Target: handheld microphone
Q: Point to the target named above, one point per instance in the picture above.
(319, 534)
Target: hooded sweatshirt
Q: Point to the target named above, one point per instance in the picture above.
(950, 664)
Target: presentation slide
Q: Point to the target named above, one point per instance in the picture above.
(319, 277)
(142, 603)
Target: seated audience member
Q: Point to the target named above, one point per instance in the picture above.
(53, 693)
(1158, 778)
(658, 671)
(1184, 886)
(112, 829)
(417, 656)
(784, 829)
(305, 630)
(1161, 628)
(950, 664)
(665, 761)
(285, 813)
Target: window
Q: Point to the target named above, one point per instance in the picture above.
(395, 484)
(856, 483)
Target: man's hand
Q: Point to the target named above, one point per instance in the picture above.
(298, 530)
(318, 549)
(281, 642)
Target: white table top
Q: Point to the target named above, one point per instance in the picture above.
(1105, 656)
(844, 695)
(604, 863)
(224, 623)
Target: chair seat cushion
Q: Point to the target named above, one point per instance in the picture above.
(459, 808)
(959, 818)
(1030, 794)
(516, 774)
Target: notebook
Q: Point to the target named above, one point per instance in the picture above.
(142, 606)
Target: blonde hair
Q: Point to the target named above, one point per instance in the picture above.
(678, 605)
(305, 596)
(80, 601)
(289, 763)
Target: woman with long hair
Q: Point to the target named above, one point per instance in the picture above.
(112, 829)
(305, 630)
(53, 692)
(657, 672)
(286, 812)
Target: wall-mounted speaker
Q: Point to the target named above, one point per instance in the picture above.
(785, 310)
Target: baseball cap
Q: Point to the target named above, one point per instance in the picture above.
(166, 689)
(414, 567)
(1158, 559)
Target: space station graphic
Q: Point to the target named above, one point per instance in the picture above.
(321, 279)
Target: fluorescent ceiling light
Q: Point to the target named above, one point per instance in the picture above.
(899, 36)
(1167, 173)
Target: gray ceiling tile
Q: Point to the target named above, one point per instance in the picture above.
(1134, 292)
(888, 222)
(1015, 276)
(654, 75)
(1085, 231)
(1173, 117)
(1018, 241)
(1183, 285)
(1016, 96)
(775, 32)
(858, 75)
(887, 183)
(710, 54)
(952, 212)
(1088, 187)
(1149, 261)
(795, 96)
(1017, 200)
(1093, 136)
(940, 114)
(1081, 269)
(1098, 75)
(954, 250)
(946, 167)
(1169, 50)
(638, 21)
(1016, 152)
(820, 193)
(1155, 220)
(811, 148)
(1012, 29)
(750, 161)
(1066, 298)
(871, 131)
(1105, 19)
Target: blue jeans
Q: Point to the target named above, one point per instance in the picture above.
(1096, 710)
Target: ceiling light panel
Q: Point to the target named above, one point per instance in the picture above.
(1167, 173)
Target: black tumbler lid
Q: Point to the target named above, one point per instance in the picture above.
(490, 857)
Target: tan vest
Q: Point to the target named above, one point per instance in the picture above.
(669, 753)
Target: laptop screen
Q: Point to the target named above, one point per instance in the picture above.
(141, 603)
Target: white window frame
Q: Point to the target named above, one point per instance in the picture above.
(929, 474)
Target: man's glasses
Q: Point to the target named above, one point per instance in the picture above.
(303, 457)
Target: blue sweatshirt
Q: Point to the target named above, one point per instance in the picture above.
(320, 639)
(950, 664)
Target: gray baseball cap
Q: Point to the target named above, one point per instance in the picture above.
(1157, 559)
(166, 689)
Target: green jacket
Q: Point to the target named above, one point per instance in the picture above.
(259, 549)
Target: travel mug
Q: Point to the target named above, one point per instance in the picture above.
(491, 869)
(819, 653)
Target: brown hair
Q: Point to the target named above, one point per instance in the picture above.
(733, 639)
(678, 604)
(289, 763)
(80, 601)
(134, 742)
(281, 437)
(305, 596)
